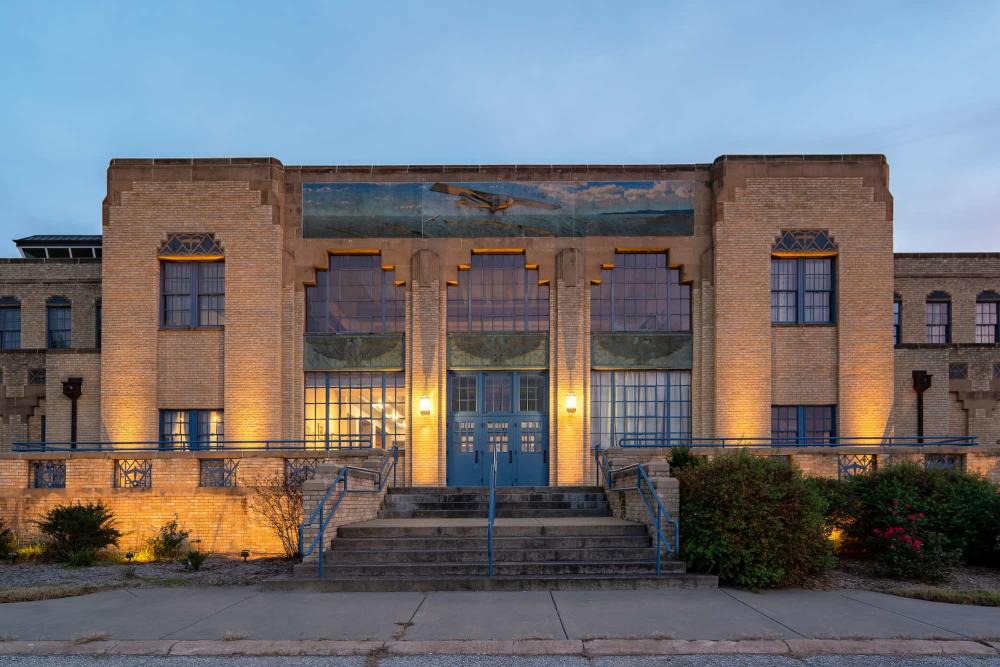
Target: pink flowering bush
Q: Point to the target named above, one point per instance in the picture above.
(906, 549)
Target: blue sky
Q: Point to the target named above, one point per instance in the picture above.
(526, 82)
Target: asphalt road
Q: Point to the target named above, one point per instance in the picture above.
(492, 661)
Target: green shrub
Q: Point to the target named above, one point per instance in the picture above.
(683, 457)
(963, 509)
(169, 543)
(194, 560)
(907, 550)
(81, 558)
(753, 521)
(7, 546)
(72, 528)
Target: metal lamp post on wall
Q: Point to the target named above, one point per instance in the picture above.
(72, 389)
(921, 383)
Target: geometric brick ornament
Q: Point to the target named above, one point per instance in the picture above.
(191, 246)
(814, 242)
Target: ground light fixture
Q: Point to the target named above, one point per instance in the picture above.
(245, 554)
(425, 405)
(571, 403)
(129, 555)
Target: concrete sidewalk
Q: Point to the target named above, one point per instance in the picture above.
(247, 613)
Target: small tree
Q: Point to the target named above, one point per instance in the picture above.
(70, 529)
(169, 543)
(6, 540)
(279, 505)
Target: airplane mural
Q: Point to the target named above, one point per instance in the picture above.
(505, 208)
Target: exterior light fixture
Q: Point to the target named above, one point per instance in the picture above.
(245, 554)
(129, 555)
(425, 405)
(571, 403)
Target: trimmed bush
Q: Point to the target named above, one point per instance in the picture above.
(907, 550)
(70, 529)
(963, 509)
(682, 457)
(753, 521)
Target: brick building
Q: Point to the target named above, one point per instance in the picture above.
(538, 310)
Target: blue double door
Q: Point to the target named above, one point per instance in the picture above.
(503, 412)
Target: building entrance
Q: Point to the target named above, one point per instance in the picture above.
(498, 411)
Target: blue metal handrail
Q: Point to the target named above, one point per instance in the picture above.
(345, 442)
(492, 513)
(655, 509)
(322, 518)
(656, 441)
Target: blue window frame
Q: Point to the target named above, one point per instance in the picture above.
(498, 292)
(988, 317)
(803, 424)
(59, 323)
(356, 294)
(897, 320)
(194, 294)
(10, 323)
(937, 311)
(653, 405)
(191, 429)
(355, 409)
(640, 293)
(802, 290)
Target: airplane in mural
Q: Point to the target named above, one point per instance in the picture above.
(488, 200)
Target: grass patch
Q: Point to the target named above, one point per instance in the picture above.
(981, 598)
(34, 593)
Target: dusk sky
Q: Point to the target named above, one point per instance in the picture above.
(510, 82)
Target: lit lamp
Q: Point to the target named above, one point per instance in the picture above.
(571, 402)
(425, 405)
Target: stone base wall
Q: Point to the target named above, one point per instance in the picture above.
(220, 519)
(625, 499)
(361, 503)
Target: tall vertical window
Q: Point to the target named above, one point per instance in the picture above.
(498, 292)
(59, 322)
(97, 324)
(640, 293)
(355, 409)
(802, 290)
(194, 293)
(803, 424)
(897, 320)
(652, 406)
(987, 320)
(10, 323)
(191, 429)
(938, 316)
(356, 294)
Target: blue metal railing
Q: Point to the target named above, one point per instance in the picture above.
(655, 510)
(321, 517)
(345, 442)
(656, 441)
(492, 514)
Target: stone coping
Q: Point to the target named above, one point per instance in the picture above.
(521, 647)
(201, 454)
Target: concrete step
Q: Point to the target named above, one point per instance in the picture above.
(484, 498)
(501, 512)
(500, 554)
(482, 490)
(503, 568)
(511, 506)
(636, 541)
(306, 582)
(392, 529)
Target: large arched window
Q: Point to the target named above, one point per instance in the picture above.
(357, 294)
(988, 317)
(640, 292)
(498, 292)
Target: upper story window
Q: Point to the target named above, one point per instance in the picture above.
(357, 294)
(987, 320)
(59, 322)
(802, 278)
(803, 424)
(10, 323)
(640, 292)
(498, 292)
(937, 312)
(191, 429)
(193, 273)
(897, 319)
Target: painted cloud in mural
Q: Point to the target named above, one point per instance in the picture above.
(504, 208)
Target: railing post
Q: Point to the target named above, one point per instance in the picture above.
(657, 539)
(322, 533)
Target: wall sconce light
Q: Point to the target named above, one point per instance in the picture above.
(425, 405)
(571, 402)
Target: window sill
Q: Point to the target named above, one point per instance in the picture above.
(218, 328)
(803, 324)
